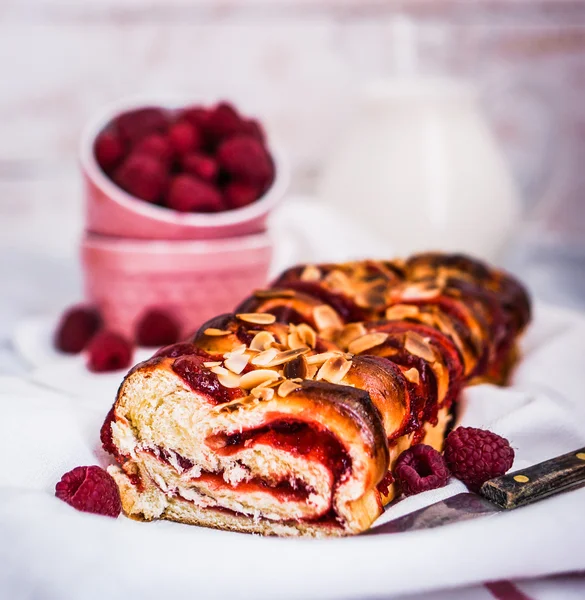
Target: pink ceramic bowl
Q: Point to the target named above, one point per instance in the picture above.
(193, 280)
(112, 211)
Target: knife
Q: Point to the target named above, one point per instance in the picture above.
(510, 491)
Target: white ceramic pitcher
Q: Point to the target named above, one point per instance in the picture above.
(421, 165)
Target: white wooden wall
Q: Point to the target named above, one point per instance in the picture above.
(300, 64)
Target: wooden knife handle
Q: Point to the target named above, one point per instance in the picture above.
(539, 481)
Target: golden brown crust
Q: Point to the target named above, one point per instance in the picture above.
(286, 417)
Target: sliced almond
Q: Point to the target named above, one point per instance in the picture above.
(338, 281)
(419, 346)
(211, 364)
(262, 340)
(226, 378)
(255, 378)
(311, 273)
(271, 293)
(262, 359)
(418, 292)
(412, 375)
(263, 393)
(257, 318)
(326, 318)
(311, 371)
(235, 351)
(236, 362)
(286, 356)
(402, 311)
(367, 342)
(319, 359)
(212, 331)
(372, 297)
(349, 333)
(307, 334)
(334, 369)
(286, 387)
(296, 368)
(294, 339)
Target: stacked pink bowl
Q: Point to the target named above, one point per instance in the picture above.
(169, 249)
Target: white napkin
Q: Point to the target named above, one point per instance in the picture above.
(49, 550)
(51, 423)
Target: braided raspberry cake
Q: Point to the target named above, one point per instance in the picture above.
(287, 416)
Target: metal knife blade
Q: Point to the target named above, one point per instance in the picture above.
(559, 474)
(461, 507)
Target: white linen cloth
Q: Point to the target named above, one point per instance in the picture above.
(50, 423)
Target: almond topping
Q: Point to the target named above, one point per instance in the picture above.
(262, 359)
(412, 375)
(326, 318)
(296, 368)
(257, 318)
(401, 311)
(274, 293)
(311, 371)
(311, 273)
(286, 356)
(319, 359)
(286, 387)
(255, 378)
(236, 362)
(334, 369)
(294, 339)
(419, 346)
(366, 342)
(307, 334)
(263, 393)
(226, 378)
(419, 292)
(212, 331)
(212, 364)
(237, 350)
(338, 281)
(349, 333)
(262, 341)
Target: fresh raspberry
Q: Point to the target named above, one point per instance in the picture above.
(200, 165)
(157, 328)
(476, 455)
(420, 468)
(180, 349)
(252, 128)
(108, 351)
(246, 159)
(106, 433)
(189, 194)
(184, 137)
(223, 122)
(90, 489)
(196, 115)
(108, 149)
(136, 124)
(156, 145)
(238, 193)
(76, 328)
(142, 176)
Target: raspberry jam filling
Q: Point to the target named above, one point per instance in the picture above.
(288, 490)
(190, 368)
(297, 437)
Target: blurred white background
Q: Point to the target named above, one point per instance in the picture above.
(301, 63)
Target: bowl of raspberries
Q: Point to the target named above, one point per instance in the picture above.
(177, 197)
(157, 170)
